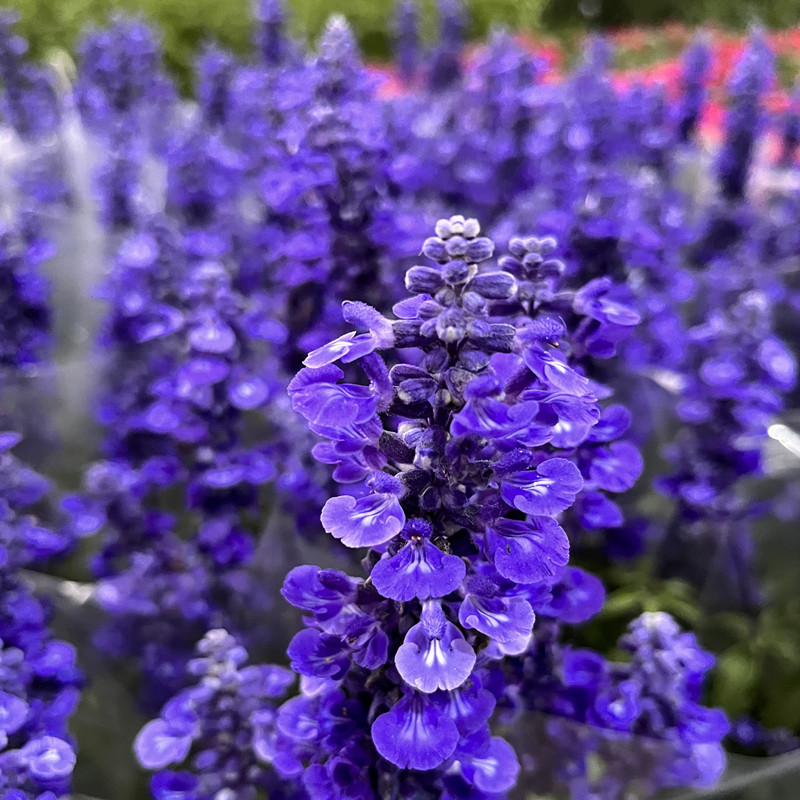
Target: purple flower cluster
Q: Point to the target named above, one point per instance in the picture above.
(25, 322)
(611, 725)
(474, 449)
(215, 728)
(456, 464)
(734, 378)
(28, 100)
(125, 102)
(39, 680)
(187, 386)
(745, 118)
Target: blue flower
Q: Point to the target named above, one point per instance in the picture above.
(434, 654)
(418, 569)
(545, 491)
(366, 522)
(414, 734)
(527, 551)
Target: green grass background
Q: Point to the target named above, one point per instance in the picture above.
(57, 24)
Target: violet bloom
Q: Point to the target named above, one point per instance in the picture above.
(28, 101)
(407, 45)
(190, 376)
(445, 68)
(26, 317)
(446, 465)
(212, 730)
(736, 374)
(641, 719)
(121, 77)
(39, 679)
(696, 66)
(274, 46)
(745, 119)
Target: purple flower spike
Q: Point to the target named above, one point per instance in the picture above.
(159, 744)
(419, 569)
(434, 654)
(316, 395)
(365, 522)
(415, 734)
(527, 551)
(546, 491)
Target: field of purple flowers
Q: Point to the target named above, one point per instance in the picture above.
(380, 438)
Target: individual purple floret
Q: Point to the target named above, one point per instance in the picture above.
(211, 731)
(734, 378)
(28, 100)
(39, 680)
(605, 728)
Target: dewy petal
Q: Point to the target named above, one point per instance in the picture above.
(365, 522)
(527, 551)
(158, 745)
(435, 654)
(504, 619)
(415, 734)
(419, 569)
(546, 491)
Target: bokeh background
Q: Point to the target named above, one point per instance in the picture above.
(52, 24)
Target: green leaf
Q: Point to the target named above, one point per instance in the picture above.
(735, 680)
(623, 603)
